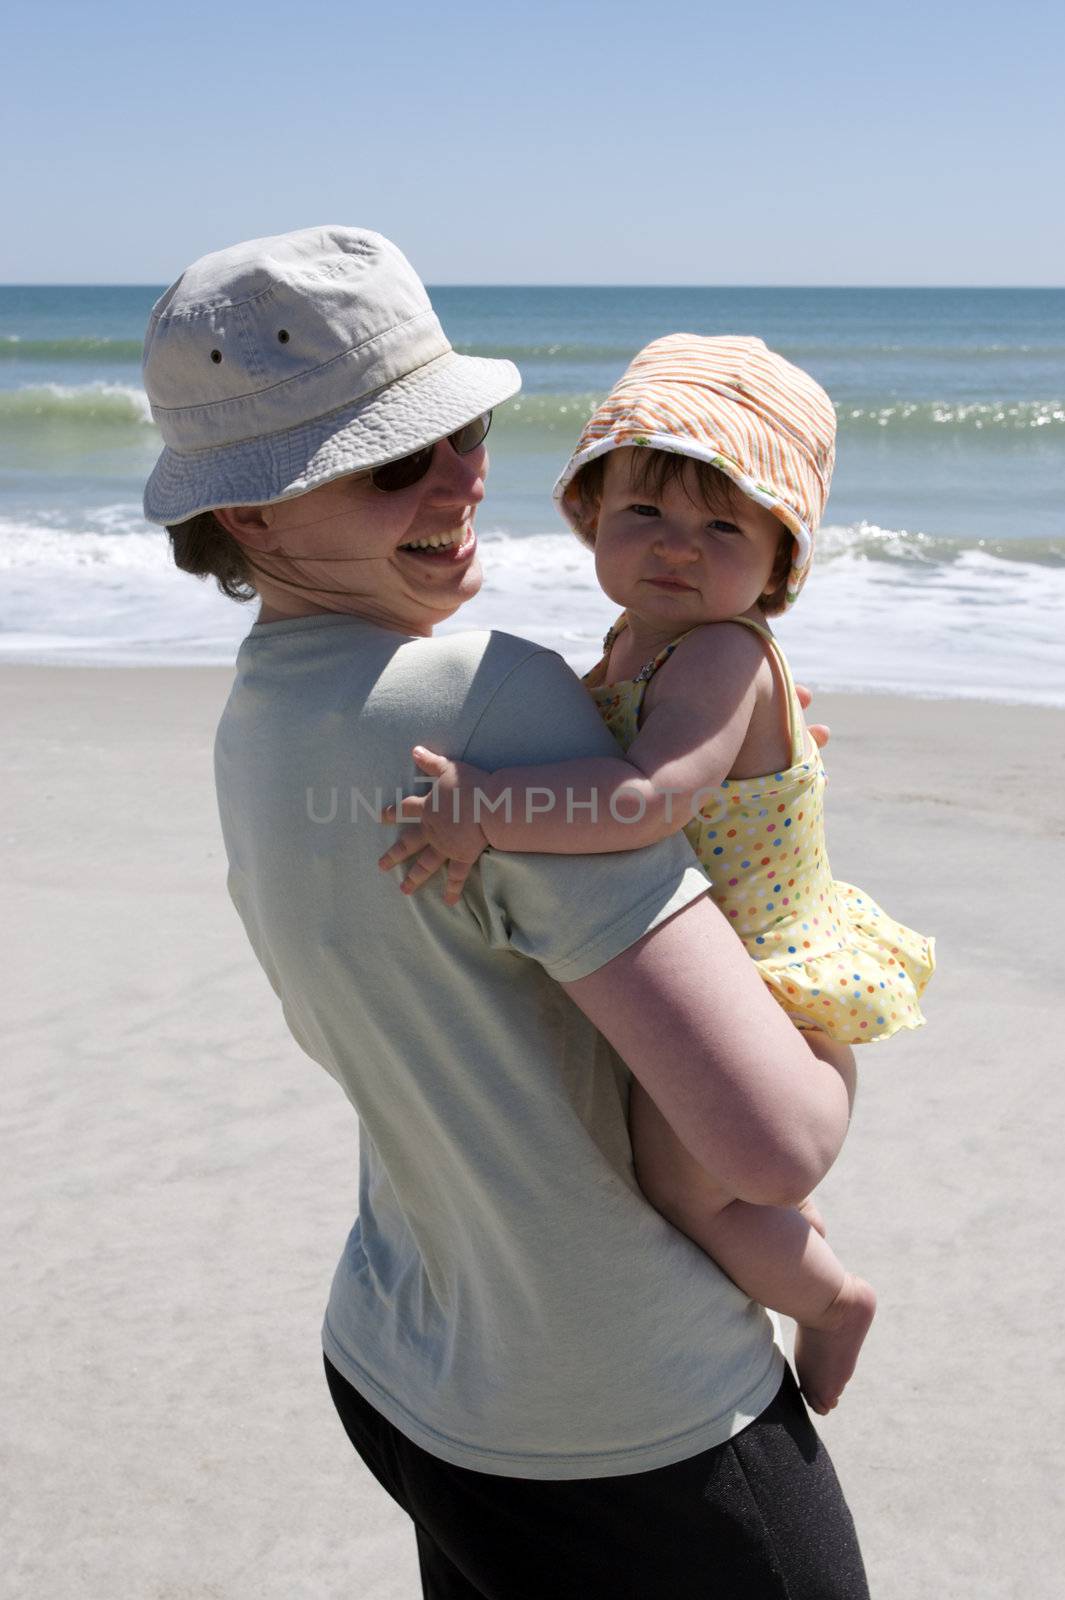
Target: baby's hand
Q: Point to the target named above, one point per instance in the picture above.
(447, 832)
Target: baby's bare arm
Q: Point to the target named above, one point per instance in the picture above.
(694, 724)
(685, 748)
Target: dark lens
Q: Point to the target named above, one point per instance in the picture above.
(463, 440)
(408, 469)
(402, 473)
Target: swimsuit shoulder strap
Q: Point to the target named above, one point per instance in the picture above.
(648, 670)
(796, 726)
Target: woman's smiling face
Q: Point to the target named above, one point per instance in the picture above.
(669, 557)
(406, 559)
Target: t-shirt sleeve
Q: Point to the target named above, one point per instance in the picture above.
(572, 914)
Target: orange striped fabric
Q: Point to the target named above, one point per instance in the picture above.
(731, 402)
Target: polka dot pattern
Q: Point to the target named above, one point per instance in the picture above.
(828, 953)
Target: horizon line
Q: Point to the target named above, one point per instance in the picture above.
(107, 283)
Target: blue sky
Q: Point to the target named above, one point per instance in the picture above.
(666, 142)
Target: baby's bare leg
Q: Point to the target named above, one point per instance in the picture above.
(841, 1057)
(773, 1253)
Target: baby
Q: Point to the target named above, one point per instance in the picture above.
(699, 483)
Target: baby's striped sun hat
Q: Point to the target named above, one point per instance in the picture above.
(733, 403)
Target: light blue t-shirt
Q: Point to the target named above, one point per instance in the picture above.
(507, 1297)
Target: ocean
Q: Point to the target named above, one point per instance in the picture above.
(940, 566)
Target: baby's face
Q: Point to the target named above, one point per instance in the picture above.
(671, 558)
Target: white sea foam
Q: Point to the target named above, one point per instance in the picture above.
(75, 404)
(109, 595)
(973, 626)
(883, 611)
(535, 413)
(914, 415)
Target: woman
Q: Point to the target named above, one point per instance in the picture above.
(491, 1339)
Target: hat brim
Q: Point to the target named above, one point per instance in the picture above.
(403, 417)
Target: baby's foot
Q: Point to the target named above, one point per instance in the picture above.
(826, 1354)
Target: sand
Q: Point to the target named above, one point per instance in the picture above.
(179, 1178)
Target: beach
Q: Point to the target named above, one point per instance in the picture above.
(180, 1178)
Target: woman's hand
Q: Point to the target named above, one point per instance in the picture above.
(447, 832)
(817, 730)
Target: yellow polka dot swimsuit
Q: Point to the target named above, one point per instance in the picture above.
(829, 954)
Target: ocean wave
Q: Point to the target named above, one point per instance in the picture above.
(115, 538)
(908, 416)
(561, 352)
(14, 348)
(867, 541)
(89, 347)
(115, 406)
(969, 624)
(915, 350)
(117, 534)
(97, 597)
(956, 620)
(532, 412)
(99, 405)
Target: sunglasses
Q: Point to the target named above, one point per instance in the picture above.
(408, 470)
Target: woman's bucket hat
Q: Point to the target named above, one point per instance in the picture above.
(732, 403)
(279, 364)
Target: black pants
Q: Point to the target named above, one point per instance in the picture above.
(761, 1517)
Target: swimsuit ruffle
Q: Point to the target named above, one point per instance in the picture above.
(867, 987)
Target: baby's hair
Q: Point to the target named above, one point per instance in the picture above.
(776, 601)
(203, 547)
(654, 470)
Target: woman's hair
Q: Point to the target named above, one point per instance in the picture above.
(204, 548)
(652, 472)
